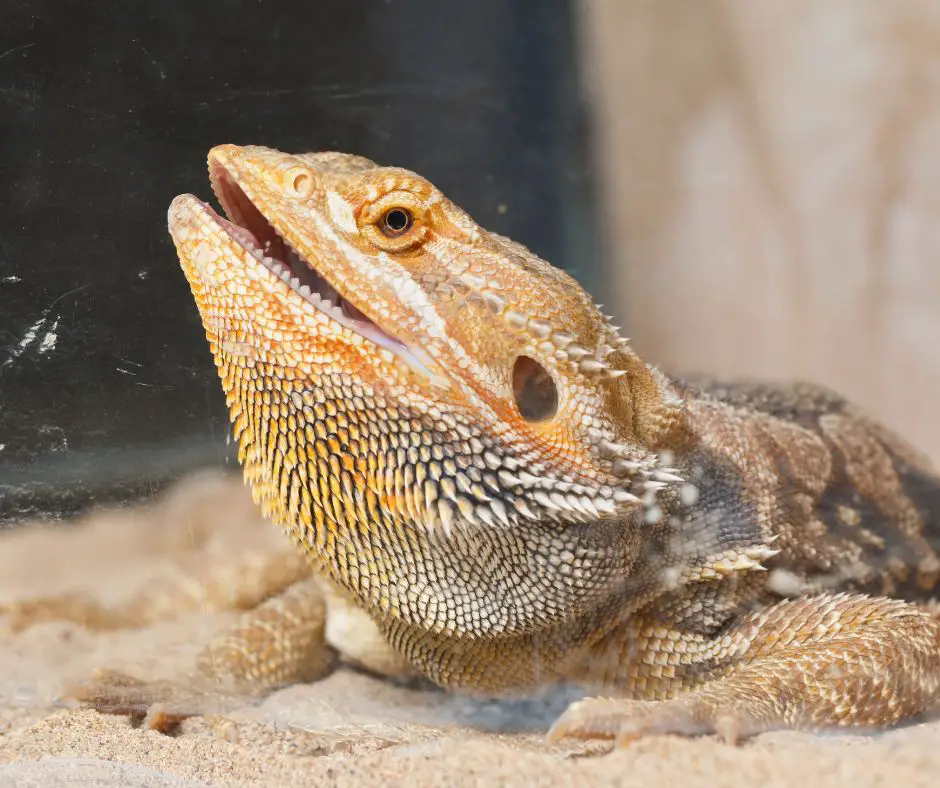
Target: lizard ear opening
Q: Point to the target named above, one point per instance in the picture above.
(535, 392)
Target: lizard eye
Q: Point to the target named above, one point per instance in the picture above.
(395, 222)
(535, 391)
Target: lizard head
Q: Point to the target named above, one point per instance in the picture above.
(397, 375)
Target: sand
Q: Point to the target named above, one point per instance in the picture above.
(179, 566)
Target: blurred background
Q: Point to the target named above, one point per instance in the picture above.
(750, 187)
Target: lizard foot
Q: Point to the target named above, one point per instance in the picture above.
(626, 720)
(155, 705)
(279, 642)
(812, 663)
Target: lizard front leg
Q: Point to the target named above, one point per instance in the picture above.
(278, 642)
(812, 663)
(294, 636)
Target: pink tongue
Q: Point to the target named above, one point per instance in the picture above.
(354, 313)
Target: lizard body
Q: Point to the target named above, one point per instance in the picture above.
(498, 492)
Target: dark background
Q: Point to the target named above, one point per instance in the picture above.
(107, 389)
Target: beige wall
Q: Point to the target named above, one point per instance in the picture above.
(771, 175)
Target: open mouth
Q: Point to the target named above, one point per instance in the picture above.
(247, 225)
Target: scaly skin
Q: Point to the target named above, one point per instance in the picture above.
(576, 515)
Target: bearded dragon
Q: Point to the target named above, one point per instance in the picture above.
(495, 491)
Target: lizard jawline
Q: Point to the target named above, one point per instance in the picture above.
(256, 235)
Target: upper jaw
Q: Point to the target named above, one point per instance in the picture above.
(260, 237)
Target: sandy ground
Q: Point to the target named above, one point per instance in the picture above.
(183, 566)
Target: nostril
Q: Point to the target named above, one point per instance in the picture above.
(300, 182)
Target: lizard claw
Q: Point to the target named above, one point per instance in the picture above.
(626, 720)
(158, 705)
